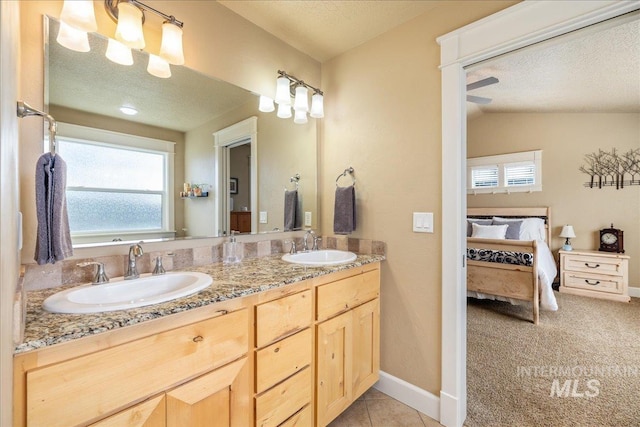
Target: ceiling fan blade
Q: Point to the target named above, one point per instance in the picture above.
(478, 100)
(482, 83)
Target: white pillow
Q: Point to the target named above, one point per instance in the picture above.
(489, 231)
(531, 228)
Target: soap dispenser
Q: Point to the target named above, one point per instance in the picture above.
(232, 250)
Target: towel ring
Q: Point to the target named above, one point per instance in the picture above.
(295, 179)
(349, 171)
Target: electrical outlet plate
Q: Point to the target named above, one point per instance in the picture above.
(307, 219)
(263, 217)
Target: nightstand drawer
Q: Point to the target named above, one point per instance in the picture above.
(601, 283)
(593, 264)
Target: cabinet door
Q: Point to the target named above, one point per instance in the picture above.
(366, 346)
(334, 365)
(150, 413)
(217, 399)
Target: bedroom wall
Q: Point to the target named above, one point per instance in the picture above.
(565, 139)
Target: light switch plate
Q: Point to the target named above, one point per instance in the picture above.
(263, 217)
(307, 219)
(423, 222)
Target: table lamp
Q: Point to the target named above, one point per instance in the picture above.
(567, 233)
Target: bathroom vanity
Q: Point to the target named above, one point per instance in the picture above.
(268, 344)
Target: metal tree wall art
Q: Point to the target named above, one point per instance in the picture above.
(609, 169)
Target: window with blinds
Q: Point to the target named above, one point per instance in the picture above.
(505, 173)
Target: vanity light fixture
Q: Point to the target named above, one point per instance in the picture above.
(119, 53)
(80, 15)
(158, 67)
(266, 104)
(72, 38)
(288, 86)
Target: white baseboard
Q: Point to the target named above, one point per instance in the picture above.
(634, 292)
(415, 397)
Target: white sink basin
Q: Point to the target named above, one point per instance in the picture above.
(122, 294)
(320, 258)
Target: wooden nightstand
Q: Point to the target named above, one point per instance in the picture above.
(595, 274)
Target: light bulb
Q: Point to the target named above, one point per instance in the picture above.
(158, 67)
(129, 29)
(301, 102)
(171, 46)
(300, 117)
(283, 95)
(317, 106)
(284, 111)
(80, 15)
(266, 104)
(119, 53)
(73, 39)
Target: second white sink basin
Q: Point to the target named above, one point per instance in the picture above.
(320, 258)
(125, 294)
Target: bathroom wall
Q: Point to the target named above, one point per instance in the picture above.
(383, 118)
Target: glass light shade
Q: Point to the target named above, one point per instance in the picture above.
(317, 106)
(73, 39)
(80, 15)
(301, 102)
(567, 232)
(158, 67)
(171, 46)
(282, 91)
(119, 53)
(284, 111)
(266, 104)
(300, 117)
(129, 29)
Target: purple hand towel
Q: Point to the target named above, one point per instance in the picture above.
(53, 240)
(290, 210)
(344, 213)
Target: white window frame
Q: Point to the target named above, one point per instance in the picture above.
(502, 162)
(94, 136)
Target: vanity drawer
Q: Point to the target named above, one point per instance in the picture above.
(593, 264)
(276, 405)
(81, 389)
(282, 317)
(302, 418)
(602, 283)
(282, 359)
(342, 295)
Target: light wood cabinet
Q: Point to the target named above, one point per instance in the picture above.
(150, 413)
(348, 346)
(595, 274)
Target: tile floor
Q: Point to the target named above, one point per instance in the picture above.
(376, 409)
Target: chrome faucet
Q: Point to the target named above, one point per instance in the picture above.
(293, 249)
(159, 269)
(135, 251)
(305, 246)
(101, 276)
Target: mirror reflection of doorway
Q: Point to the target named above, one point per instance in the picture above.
(240, 186)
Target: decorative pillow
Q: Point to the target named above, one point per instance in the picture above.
(477, 221)
(513, 229)
(489, 231)
(531, 228)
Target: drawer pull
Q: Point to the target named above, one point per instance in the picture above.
(277, 349)
(591, 266)
(198, 338)
(592, 284)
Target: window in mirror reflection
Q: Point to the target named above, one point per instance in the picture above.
(117, 191)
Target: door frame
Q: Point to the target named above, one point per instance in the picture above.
(521, 25)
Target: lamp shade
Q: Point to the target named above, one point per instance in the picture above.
(283, 95)
(567, 232)
(171, 46)
(301, 102)
(129, 29)
(80, 15)
(158, 67)
(119, 53)
(284, 110)
(317, 106)
(72, 38)
(300, 117)
(266, 104)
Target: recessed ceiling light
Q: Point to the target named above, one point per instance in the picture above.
(129, 111)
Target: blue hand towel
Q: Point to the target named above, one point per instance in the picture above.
(290, 209)
(344, 215)
(53, 240)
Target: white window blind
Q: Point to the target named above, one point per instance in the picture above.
(505, 173)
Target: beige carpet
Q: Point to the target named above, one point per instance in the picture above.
(579, 367)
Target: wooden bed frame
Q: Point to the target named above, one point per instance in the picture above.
(507, 280)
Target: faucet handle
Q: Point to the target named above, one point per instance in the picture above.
(158, 269)
(101, 276)
(293, 249)
(315, 243)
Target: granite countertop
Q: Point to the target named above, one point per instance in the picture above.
(250, 276)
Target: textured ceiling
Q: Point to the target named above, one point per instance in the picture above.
(324, 29)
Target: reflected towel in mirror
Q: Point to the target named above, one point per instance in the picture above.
(53, 239)
(344, 215)
(290, 210)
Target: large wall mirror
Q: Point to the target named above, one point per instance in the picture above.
(84, 91)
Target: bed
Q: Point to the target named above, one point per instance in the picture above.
(511, 262)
